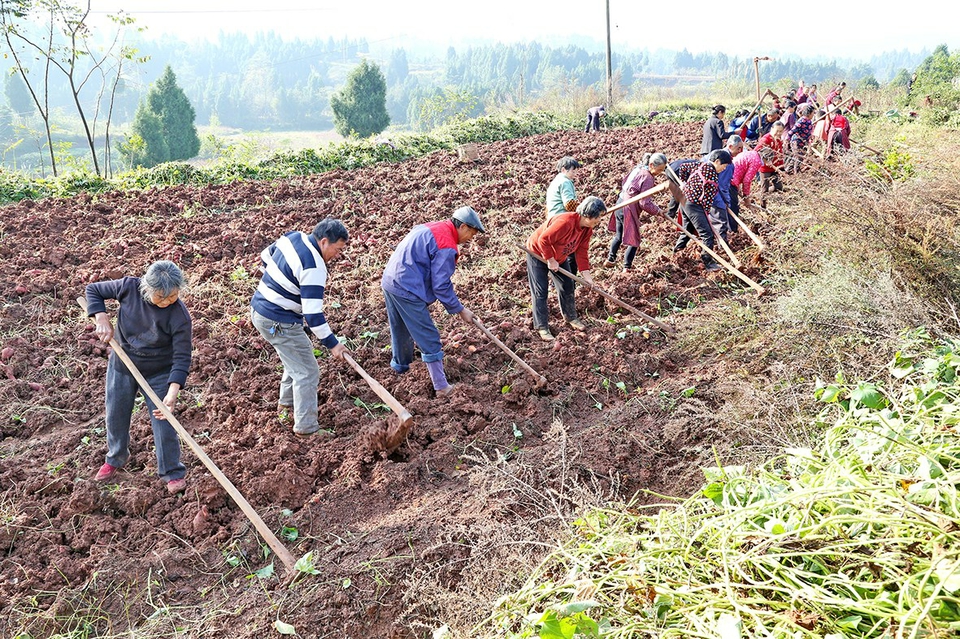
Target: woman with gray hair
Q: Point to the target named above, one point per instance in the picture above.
(625, 223)
(155, 330)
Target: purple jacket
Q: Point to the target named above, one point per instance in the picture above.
(423, 263)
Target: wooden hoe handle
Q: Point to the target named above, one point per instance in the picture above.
(541, 380)
(669, 330)
(405, 417)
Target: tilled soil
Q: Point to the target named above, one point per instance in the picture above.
(116, 555)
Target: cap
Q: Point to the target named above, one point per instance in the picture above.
(468, 216)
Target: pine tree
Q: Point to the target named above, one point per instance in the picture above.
(168, 101)
(163, 128)
(360, 108)
(147, 146)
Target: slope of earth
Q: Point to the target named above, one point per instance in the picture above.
(394, 538)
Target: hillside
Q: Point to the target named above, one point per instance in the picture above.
(487, 481)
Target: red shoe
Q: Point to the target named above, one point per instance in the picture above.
(175, 486)
(106, 473)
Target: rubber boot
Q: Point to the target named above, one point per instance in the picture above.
(437, 376)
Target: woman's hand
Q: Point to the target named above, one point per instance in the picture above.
(170, 401)
(104, 329)
(553, 264)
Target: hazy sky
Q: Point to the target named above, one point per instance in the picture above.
(841, 28)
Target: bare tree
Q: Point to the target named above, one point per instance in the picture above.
(67, 45)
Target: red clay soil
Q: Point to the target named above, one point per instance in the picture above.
(70, 547)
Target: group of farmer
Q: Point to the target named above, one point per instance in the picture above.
(154, 327)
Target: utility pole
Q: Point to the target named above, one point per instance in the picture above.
(756, 70)
(609, 65)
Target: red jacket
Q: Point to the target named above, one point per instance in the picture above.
(777, 145)
(560, 237)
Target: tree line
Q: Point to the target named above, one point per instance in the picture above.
(113, 91)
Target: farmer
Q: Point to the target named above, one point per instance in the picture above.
(625, 222)
(593, 118)
(713, 131)
(838, 132)
(723, 201)
(417, 275)
(682, 169)
(798, 139)
(154, 329)
(746, 166)
(699, 190)
(558, 239)
(561, 195)
(770, 172)
(290, 294)
(760, 125)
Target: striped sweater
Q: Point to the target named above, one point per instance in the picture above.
(291, 289)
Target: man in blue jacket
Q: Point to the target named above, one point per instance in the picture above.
(417, 275)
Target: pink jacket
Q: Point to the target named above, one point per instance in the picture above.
(745, 167)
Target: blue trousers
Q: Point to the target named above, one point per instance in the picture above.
(410, 322)
(122, 390)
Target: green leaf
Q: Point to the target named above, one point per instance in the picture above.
(622, 386)
(828, 394)
(505, 389)
(714, 492)
(948, 572)
(289, 533)
(688, 392)
(867, 394)
(346, 583)
(284, 628)
(579, 606)
(264, 573)
(305, 564)
(850, 623)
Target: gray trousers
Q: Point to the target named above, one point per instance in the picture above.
(301, 373)
(122, 390)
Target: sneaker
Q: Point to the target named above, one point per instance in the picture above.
(609, 264)
(106, 473)
(546, 335)
(627, 267)
(577, 325)
(712, 268)
(175, 486)
(285, 414)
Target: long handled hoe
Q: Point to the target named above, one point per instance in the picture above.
(669, 330)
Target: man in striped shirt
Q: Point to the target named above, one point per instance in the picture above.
(290, 295)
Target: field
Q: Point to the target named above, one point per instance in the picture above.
(403, 544)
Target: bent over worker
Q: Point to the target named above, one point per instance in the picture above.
(155, 330)
(563, 236)
(290, 294)
(417, 275)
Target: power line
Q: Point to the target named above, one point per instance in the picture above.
(185, 11)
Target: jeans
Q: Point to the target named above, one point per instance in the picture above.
(122, 389)
(410, 322)
(537, 275)
(301, 373)
(695, 220)
(630, 252)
